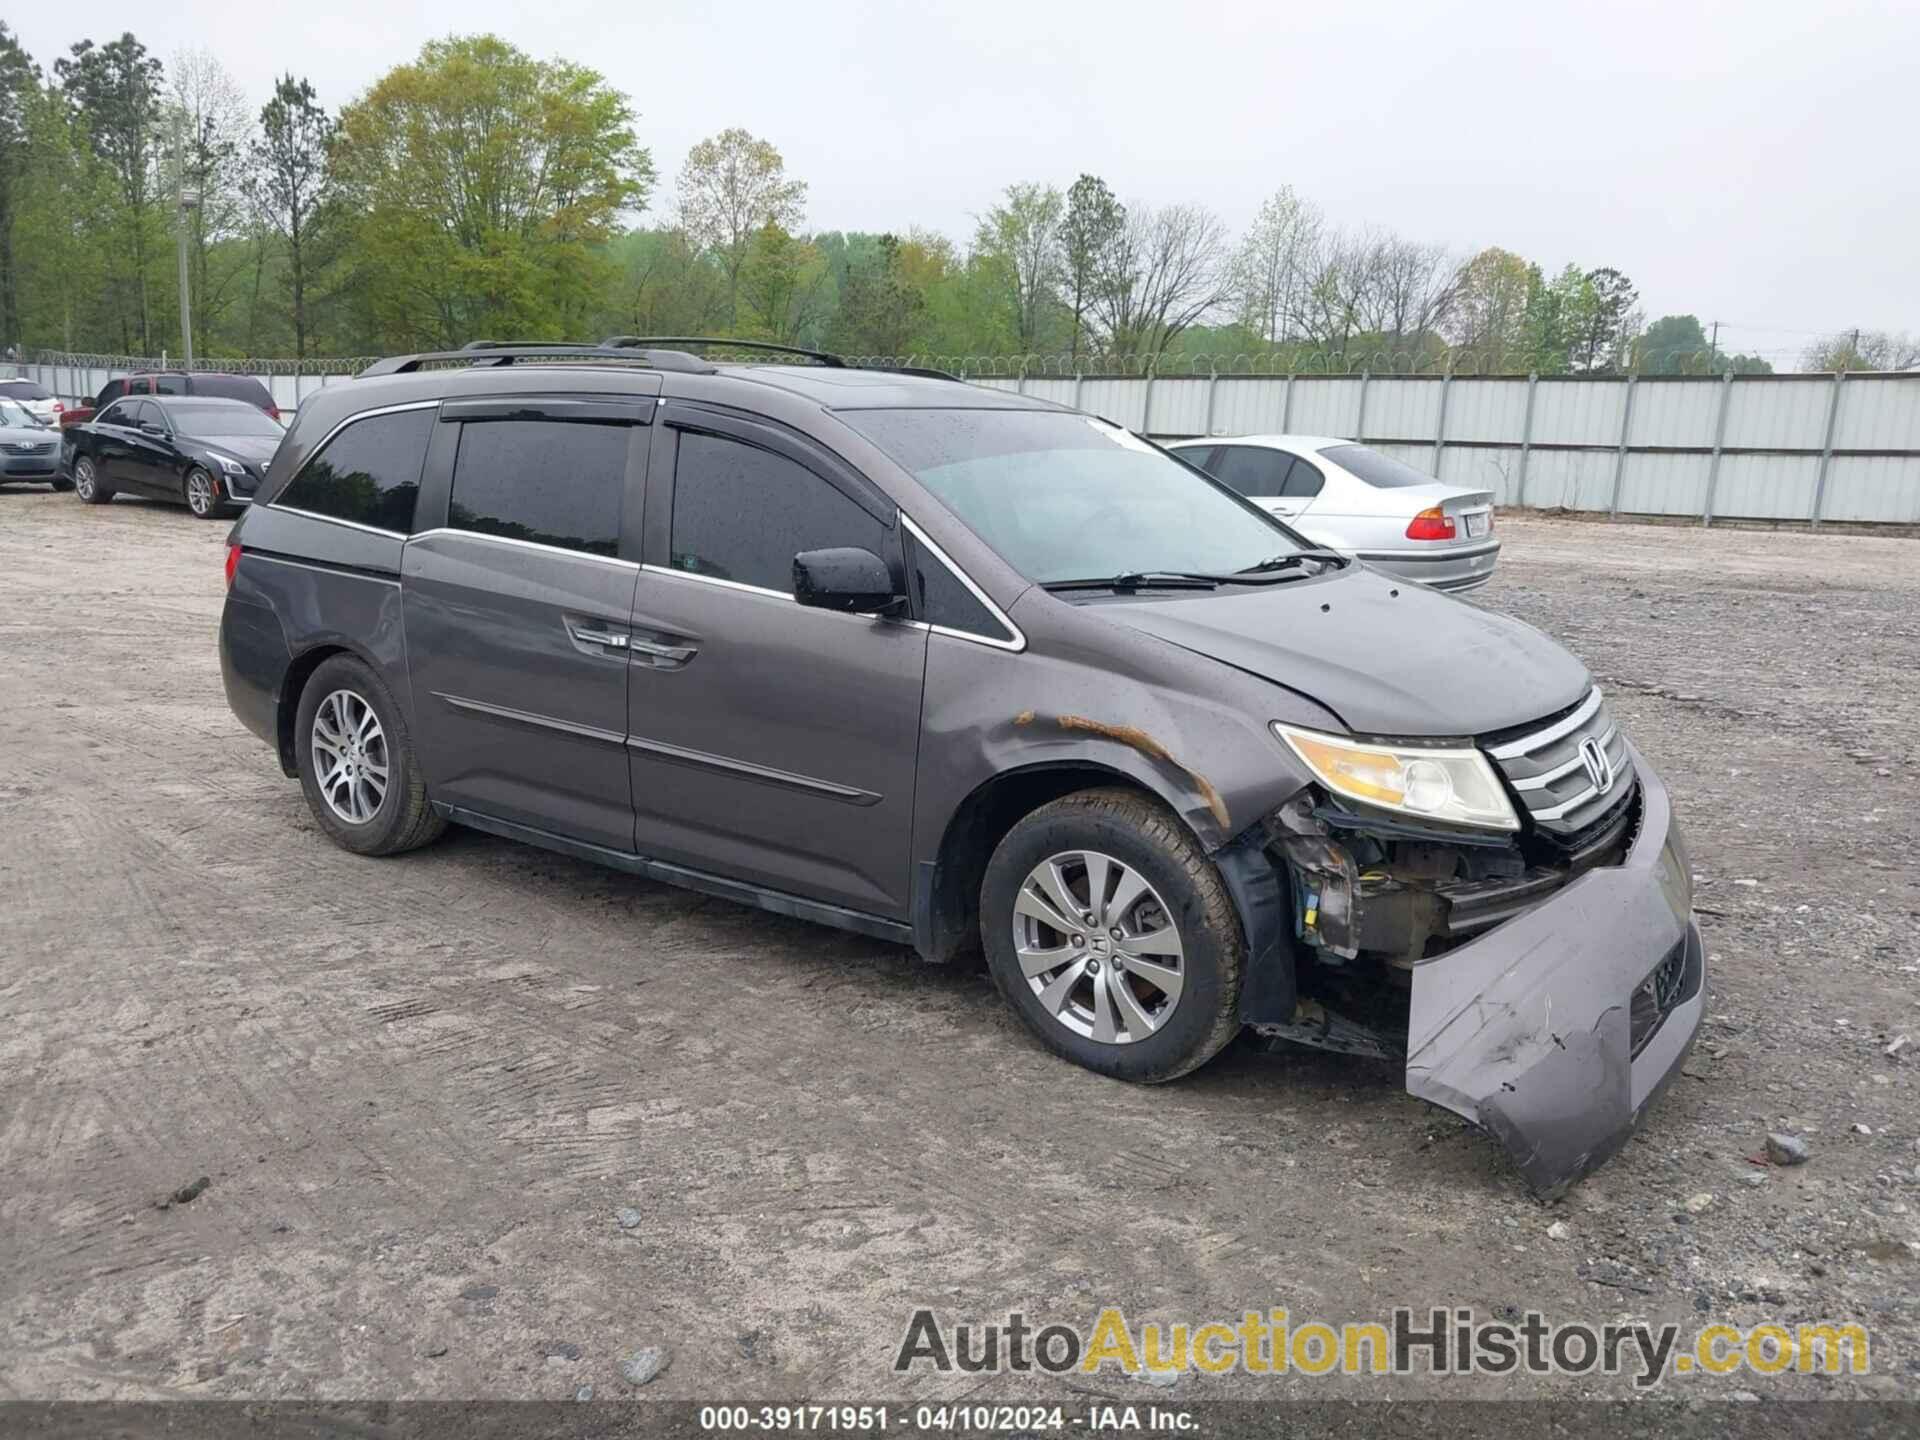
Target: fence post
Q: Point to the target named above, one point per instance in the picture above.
(1826, 447)
(1213, 383)
(1440, 426)
(1620, 455)
(1286, 404)
(1078, 380)
(1146, 403)
(1360, 421)
(1023, 376)
(1719, 438)
(1526, 439)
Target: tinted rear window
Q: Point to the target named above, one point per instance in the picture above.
(24, 390)
(233, 387)
(1383, 472)
(551, 482)
(368, 473)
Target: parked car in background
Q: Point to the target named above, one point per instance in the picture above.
(210, 454)
(29, 447)
(960, 668)
(1339, 493)
(35, 398)
(177, 383)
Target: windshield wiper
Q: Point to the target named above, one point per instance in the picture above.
(1288, 561)
(1139, 580)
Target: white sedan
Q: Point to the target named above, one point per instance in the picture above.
(1347, 497)
(35, 399)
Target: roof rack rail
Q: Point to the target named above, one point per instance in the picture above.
(498, 353)
(624, 342)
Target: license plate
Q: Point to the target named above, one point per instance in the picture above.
(1476, 526)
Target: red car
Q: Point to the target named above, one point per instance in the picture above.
(174, 382)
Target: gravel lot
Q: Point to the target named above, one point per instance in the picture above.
(422, 1089)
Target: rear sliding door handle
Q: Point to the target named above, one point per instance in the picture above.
(611, 639)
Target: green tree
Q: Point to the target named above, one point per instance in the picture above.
(1020, 238)
(485, 187)
(65, 230)
(1678, 345)
(781, 285)
(116, 90)
(19, 87)
(881, 308)
(209, 116)
(1272, 267)
(732, 187)
(291, 187)
(1094, 221)
(1487, 326)
(1605, 321)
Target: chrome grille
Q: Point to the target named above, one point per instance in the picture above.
(29, 447)
(1549, 768)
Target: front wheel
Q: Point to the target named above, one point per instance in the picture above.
(203, 493)
(357, 765)
(1113, 936)
(87, 483)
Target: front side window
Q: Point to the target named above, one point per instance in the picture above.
(119, 413)
(368, 473)
(1383, 472)
(550, 482)
(741, 513)
(1253, 470)
(941, 598)
(1062, 496)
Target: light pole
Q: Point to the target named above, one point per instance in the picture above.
(187, 200)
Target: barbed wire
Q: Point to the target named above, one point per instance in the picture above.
(1275, 363)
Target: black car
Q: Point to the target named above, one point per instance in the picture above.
(208, 453)
(962, 669)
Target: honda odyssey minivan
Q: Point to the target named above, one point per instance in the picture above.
(967, 671)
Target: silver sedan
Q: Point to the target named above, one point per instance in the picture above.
(1350, 498)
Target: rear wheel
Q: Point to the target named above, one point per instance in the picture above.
(87, 483)
(1112, 935)
(356, 761)
(203, 493)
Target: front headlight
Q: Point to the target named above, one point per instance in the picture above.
(228, 463)
(1455, 786)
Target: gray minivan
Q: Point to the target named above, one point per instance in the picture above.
(965, 670)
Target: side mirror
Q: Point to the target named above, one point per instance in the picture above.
(845, 578)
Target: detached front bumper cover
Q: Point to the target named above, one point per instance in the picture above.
(1528, 1032)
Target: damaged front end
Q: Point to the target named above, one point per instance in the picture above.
(1545, 985)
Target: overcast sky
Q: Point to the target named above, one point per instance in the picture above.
(1749, 162)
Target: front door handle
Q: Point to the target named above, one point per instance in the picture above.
(672, 654)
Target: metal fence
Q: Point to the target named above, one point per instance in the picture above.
(1810, 448)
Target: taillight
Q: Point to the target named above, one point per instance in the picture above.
(58, 408)
(233, 563)
(273, 412)
(1431, 524)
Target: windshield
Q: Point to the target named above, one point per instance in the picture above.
(1383, 472)
(1068, 497)
(12, 412)
(233, 418)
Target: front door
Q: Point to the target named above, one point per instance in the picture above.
(769, 742)
(151, 464)
(517, 609)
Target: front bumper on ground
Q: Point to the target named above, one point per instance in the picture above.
(1453, 568)
(1528, 1031)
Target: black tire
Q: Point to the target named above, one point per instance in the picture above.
(202, 492)
(87, 483)
(61, 482)
(403, 819)
(1140, 833)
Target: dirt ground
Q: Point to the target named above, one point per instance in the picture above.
(423, 1088)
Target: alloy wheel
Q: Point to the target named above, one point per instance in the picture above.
(200, 493)
(83, 479)
(1098, 947)
(350, 761)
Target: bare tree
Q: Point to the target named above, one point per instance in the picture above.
(731, 187)
(1864, 350)
(1272, 269)
(1023, 233)
(1161, 272)
(1094, 218)
(210, 111)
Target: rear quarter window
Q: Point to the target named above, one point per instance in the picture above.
(367, 474)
